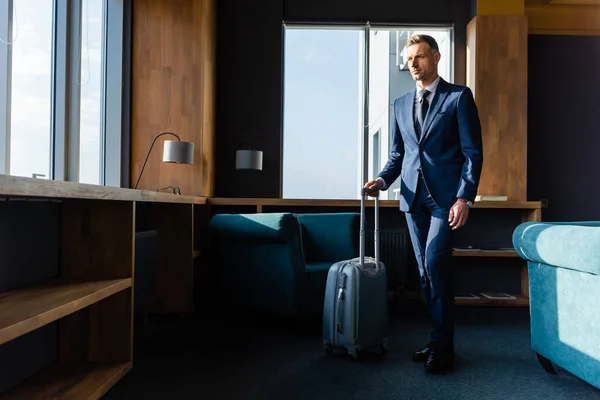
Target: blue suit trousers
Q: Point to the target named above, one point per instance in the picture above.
(431, 236)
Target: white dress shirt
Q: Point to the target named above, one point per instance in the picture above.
(431, 88)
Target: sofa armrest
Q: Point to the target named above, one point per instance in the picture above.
(572, 245)
(269, 227)
(329, 236)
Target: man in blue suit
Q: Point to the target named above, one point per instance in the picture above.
(437, 153)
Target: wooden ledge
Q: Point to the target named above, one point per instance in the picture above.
(266, 202)
(16, 186)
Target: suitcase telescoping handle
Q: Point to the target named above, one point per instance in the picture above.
(363, 217)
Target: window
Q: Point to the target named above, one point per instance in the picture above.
(30, 87)
(61, 65)
(322, 113)
(90, 83)
(334, 137)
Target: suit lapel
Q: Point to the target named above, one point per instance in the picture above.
(409, 109)
(438, 100)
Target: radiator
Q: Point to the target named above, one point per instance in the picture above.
(393, 251)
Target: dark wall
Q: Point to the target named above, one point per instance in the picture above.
(250, 73)
(563, 126)
(377, 11)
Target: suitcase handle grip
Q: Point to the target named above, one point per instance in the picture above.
(367, 190)
(363, 193)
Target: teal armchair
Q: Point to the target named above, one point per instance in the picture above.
(278, 262)
(563, 262)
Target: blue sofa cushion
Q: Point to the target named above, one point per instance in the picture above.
(329, 237)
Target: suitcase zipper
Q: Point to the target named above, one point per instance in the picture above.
(340, 300)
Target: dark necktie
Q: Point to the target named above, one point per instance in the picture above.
(422, 107)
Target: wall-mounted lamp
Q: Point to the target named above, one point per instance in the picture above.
(173, 152)
(248, 159)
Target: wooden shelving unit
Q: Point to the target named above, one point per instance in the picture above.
(91, 301)
(530, 211)
(520, 302)
(91, 298)
(23, 310)
(71, 381)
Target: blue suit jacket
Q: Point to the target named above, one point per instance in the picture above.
(449, 152)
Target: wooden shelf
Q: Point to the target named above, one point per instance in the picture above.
(484, 253)
(32, 307)
(265, 202)
(72, 381)
(521, 301)
(16, 186)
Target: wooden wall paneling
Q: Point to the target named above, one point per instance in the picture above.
(564, 19)
(471, 57)
(498, 77)
(173, 90)
(504, 7)
(205, 11)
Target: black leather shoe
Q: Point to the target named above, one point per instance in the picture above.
(439, 361)
(421, 355)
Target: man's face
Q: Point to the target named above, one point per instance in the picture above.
(422, 62)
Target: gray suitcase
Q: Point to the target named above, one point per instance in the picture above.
(355, 309)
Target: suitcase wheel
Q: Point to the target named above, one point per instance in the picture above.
(384, 347)
(354, 353)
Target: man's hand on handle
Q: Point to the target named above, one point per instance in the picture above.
(374, 187)
(459, 213)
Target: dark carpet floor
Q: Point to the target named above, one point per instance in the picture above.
(242, 357)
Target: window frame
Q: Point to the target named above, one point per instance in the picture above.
(364, 157)
(5, 84)
(65, 91)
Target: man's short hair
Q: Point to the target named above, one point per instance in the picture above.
(419, 38)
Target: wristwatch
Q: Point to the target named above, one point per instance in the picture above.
(469, 203)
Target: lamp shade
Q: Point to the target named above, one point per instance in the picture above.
(178, 152)
(248, 159)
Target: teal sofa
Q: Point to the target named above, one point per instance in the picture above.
(564, 291)
(278, 262)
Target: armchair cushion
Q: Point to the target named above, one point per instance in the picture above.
(329, 237)
(572, 245)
